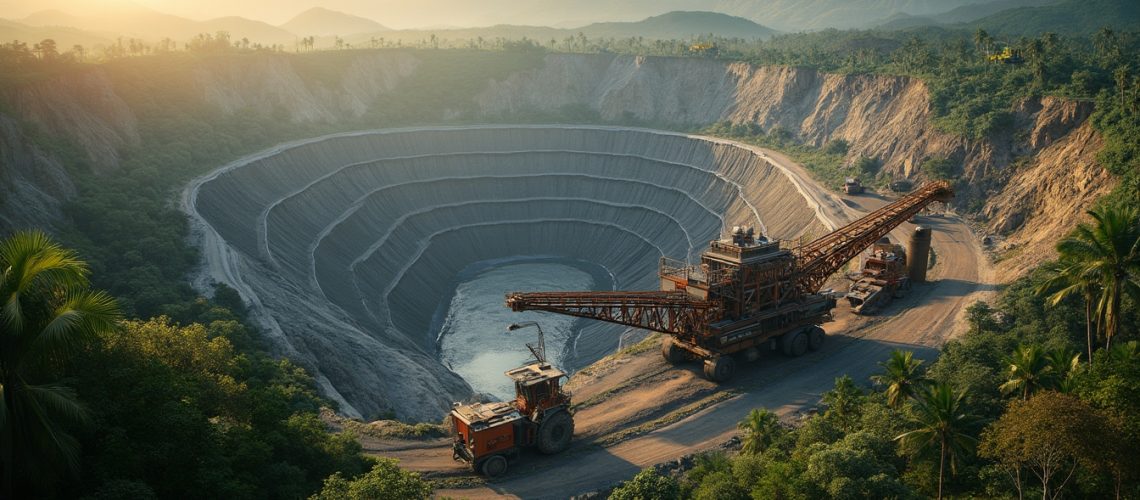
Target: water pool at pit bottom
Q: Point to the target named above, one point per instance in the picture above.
(473, 336)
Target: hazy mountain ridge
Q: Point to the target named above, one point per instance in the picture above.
(1030, 17)
(152, 25)
(356, 30)
(683, 23)
(324, 22)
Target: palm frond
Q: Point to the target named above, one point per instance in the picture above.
(51, 404)
(82, 314)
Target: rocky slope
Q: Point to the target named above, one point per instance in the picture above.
(33, 184)
(1052, 144)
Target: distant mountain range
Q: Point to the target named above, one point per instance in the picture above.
(670, 26)
(680, 25)
(150, 25)
(324, 24)
(1030, 17)
(1009, 17)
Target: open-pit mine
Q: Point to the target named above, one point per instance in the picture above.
(351, 246)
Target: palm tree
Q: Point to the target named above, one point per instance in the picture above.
(1063, 363)
(1109, 253)
(1069, 278)
(901, 376)
(761, 428)
(1029, 369)
(944, 424)
(47, 311)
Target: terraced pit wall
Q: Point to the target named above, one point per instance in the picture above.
(347, 244)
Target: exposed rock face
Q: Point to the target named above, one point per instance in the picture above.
(33, 185)
(83, 108)
(1044, 199)
(267, 84)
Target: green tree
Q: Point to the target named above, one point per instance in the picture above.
(761, 428)
(1108, 252)
(48, 314)
(1028, 369)
(858, 466)
(1067, 278)
(938, 168)
(942, 424)
(982, 40)
(980, 316)
(648, 485)
(843, 402)
(1051, 434)
(719, 485)
(385, 481)
(901, 376)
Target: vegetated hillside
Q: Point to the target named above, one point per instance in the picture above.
(321, 21)
(798, 15)
(963, 14)
(681, 25)
(967, 13)
(1068, 17)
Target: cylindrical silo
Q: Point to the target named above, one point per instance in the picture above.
(918, 254)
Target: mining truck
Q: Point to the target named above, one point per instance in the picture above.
(747, 294)
(486, 435)
(852, 185)
(882, 278)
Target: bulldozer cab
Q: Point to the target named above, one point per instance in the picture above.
(538, 388)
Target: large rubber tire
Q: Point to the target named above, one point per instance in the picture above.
(494, 466)
(672, 353)
(795, 343)
(555, 432)
(720, 369)
(816, 335)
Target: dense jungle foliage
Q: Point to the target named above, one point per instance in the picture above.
(1012, 410)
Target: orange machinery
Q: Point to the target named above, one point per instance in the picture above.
(747, 293)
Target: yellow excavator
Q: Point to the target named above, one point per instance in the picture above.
(1007, 56)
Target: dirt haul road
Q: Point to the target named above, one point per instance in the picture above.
(634, 411)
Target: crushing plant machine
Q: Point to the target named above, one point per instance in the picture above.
(746, 294)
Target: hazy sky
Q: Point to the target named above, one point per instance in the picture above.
(392, 13)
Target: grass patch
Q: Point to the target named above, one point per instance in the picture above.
(386, 429)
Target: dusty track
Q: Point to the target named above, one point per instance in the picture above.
(637, 416)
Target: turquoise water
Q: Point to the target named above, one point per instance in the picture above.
(473, 336)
